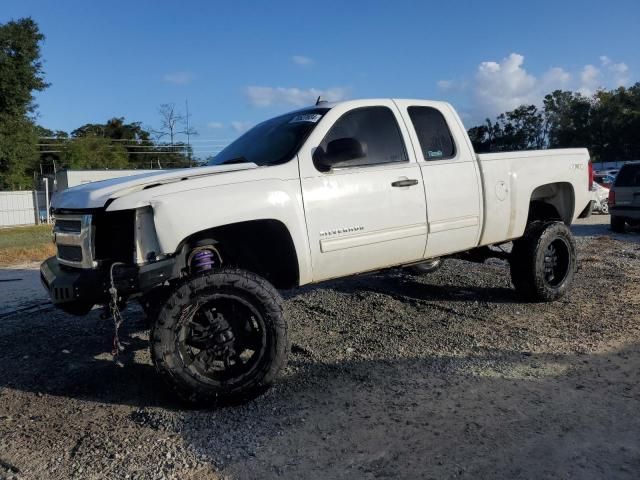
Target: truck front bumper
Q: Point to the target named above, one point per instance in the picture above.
(66, 285)
(85, 287)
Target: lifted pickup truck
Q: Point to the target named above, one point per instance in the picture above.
(323, 192)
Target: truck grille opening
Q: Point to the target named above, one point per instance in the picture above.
(114, 236)
(71, 253)
(68, 226)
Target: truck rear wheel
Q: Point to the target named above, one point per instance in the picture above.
(220, 338)
(543, 261)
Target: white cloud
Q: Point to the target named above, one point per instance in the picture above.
(241, 127)
(618, 71)
(178, 78)
(215, 125)
(302, 60)
(501, 86)
(589, 80)
(268, 96)
(505, 85)
(555, 78)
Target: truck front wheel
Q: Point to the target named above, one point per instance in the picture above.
(220, 338)
(543, 261)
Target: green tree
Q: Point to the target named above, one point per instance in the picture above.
(524, 128)
(94, 152)
(20, 75)
(18, 152)
(606, 123)
(569, 115)
(132, 136)
(50, 144)
(615, 122)
(20, 66)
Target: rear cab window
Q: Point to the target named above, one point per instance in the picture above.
(629, 176)
(434, 135)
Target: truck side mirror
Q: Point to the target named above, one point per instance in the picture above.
(339, 151)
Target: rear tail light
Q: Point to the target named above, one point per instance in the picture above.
(612, 197)
(590, 175)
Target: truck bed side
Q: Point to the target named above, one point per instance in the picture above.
(511, 181)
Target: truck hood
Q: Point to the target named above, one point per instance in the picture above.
(96, 194)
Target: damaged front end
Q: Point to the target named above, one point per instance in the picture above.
(95, 248)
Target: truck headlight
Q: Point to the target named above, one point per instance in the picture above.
(147, 248)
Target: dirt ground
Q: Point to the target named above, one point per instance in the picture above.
(391, 376)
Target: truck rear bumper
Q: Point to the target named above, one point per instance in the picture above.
(626, 212)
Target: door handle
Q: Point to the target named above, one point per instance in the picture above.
(405, 183)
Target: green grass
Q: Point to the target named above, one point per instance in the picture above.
(30, 236)
(25, 244)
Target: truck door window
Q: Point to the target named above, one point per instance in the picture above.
(434, 135)
(377, 131)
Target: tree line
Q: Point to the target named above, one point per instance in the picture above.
(607, 123)
(118, 144)
(27, 148)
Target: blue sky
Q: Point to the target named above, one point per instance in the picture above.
(240, 62)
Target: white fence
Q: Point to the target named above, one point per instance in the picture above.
(26, 207)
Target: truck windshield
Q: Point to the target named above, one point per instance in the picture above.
(272, 142)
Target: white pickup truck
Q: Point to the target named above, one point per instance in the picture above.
(328, 191)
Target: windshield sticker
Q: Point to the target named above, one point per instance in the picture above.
(434, 153)
(307, 117)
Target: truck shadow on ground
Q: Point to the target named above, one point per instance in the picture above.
(57, 354)
(499, 415)
(449, 284)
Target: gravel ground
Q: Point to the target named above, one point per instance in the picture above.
(391, 375)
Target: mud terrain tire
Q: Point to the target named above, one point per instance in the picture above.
(246, 303)
(543, 261)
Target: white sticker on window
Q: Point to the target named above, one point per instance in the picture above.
(307, 117)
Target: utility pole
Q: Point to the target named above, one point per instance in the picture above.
(35, 197)
(186, 103)
(46, 197)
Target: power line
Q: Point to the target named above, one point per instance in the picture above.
(222, 140)
(152, 147)
(139, 153)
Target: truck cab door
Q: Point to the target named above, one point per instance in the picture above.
(451, 177)
(362, 192)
